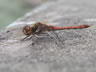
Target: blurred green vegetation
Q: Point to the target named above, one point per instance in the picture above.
(10, 10)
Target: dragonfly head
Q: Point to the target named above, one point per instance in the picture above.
(27, 30)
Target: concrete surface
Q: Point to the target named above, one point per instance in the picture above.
(73, 51)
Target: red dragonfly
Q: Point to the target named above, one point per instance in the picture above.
(39, 28)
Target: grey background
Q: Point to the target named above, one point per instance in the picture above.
(74, 52)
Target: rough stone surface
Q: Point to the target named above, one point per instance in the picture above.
(73, 51)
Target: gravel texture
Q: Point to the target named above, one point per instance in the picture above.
(72, 51)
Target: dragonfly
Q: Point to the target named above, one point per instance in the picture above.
(40, 28)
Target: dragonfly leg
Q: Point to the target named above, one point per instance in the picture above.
(27, 38)
(46, 34)
(49, 34)
(36, 36)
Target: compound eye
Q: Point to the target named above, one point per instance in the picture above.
(24, 31)
(27, 28)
